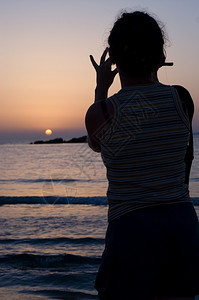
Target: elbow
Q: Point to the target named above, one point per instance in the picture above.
(94, 146)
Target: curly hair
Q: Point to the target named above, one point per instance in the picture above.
(136, 43)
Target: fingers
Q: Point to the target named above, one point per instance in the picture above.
(103, 57)
(103, 60)
(95, 65)
(115, 71)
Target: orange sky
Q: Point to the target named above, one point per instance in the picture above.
(46, 80)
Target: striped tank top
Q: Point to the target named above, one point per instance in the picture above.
(144, 149)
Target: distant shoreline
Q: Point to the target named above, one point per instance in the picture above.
(82, 139)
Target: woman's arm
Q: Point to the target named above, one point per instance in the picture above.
(188, 106)
(96, 122)
(93, 125)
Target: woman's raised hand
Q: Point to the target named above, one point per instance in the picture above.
(105, 75)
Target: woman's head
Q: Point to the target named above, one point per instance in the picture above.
(136, 44)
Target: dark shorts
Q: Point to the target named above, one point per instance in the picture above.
(151, 252)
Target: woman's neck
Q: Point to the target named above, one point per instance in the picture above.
(127, 80)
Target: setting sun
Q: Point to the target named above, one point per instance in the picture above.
(48, 132)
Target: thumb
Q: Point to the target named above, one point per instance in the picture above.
(95, 65)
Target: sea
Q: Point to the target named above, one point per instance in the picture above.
(53, 219)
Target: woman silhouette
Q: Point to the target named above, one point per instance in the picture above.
(145, 138)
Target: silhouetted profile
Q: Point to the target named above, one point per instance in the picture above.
(144, 134)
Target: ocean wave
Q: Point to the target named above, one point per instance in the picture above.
(71, 294)
(59, 240)
(194, 179)
(98, 200)
(46, 180)
(46, 261)
(195, 200)
(53, 200)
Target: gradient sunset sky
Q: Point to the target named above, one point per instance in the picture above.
(46, 79)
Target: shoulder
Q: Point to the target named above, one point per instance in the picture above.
(95, 113)
(96, 123)
(186, 99)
